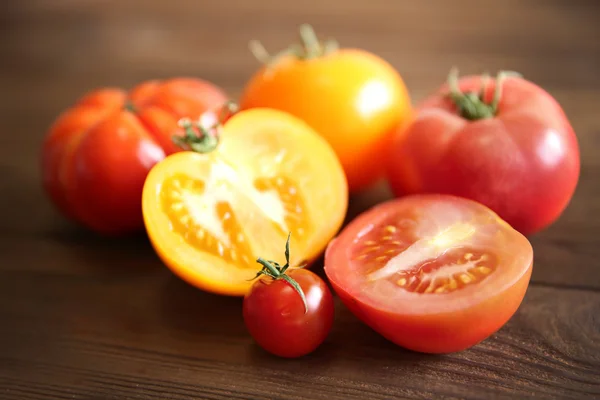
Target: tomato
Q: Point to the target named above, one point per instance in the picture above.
(432, 273)
(353, 98)
(210, 214)
(97, 153)
(288, 312)
(519, 157)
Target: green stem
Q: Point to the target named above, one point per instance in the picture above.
(129, 106)
(276, 271)
(472, 105)
(310, 41)
(203, 139)
(310, 47)
(272, 269)
(197, 138)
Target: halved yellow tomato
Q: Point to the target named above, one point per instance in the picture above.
(210, 215)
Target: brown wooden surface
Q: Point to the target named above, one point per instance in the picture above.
(89, 318)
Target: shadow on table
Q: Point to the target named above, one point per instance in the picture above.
(216, 322)
(187, 308)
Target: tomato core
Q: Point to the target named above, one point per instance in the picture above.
(207, 220)
(423, 265)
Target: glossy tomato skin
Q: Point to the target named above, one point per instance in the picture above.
(97, 153)
(420, 321)
(353, 98)
(523, 164)
(117, 153)
(275, 316)
(61, 142)
(440, 333)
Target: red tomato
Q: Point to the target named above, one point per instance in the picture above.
(519, 158)
(97, 154)
(431, 273)
(289, 313)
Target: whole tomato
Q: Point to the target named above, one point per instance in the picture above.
(353, 98)
(288, 312)
(505, 143)
(98, 152)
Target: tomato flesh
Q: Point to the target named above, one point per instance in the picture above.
(275, 316)
(432, 273)
(209, 216)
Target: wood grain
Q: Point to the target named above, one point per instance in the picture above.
(149, 335)
(89, 318)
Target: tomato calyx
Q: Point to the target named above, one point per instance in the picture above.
(276, 271)
(129, 106)
(310, 47)
(200, 138)
(472, 105)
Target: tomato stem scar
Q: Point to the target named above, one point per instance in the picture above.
(275, 271)
(200, 138)
(308, 48)
(129, 106)
(471, 105)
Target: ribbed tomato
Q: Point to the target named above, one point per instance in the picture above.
(97, 154)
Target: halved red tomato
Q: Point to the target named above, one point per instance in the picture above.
(431, 273)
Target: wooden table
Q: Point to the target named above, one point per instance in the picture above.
(89, 318)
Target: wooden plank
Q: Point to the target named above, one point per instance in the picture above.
(151, 336)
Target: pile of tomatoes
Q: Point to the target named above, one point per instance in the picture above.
(221, 188)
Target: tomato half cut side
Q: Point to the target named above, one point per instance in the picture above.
(209, 216)
(431, 273)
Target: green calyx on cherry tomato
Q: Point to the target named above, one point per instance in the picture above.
(505, 143)
(352, 98)
(273, 270)
(431, 273)
(288, 312)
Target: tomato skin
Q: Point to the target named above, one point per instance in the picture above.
(524, 164)
(118, 152)
(353, 98)
(97, 153)
(275, 316)
(418, 321)
(440, 333)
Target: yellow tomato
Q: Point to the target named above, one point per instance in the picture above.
(210, 215)
(353, 98)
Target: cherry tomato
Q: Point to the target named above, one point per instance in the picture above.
(510, 148)
(431, 273)
(211, 212)
(353, 98)
(288, 312)
(97, 154)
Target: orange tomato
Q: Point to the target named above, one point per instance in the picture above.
(353, 98)
(210, 215)
(97, 154)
